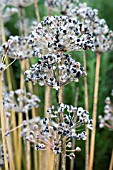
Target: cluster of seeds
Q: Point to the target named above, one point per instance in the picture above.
(60, 124)
(16, 47)
(107, 119)
(55, 71)
(103, 37)
(13, 99)
(64, 6)
(60, 34)
(83, 13)
(19, 4)
(6, 11)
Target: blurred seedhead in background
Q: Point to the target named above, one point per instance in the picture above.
(107, 119)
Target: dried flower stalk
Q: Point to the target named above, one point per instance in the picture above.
(94, 110)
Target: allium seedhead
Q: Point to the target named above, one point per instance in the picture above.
(63, 6)
(107, 119)
(27, 99)
(61, 124)
(83, 13)
(16, 47)
(103, 37)
(59, 34)
(20, 3)
(55, 71)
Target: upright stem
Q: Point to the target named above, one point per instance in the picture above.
(73, 140)
(3, 126)
(59, 98)
(28, 157)
(111, 162)
(20, 118)
(45, 155)
(87, 108)
(94, 111)
(9, 147)
(36, 10)
(11, 156)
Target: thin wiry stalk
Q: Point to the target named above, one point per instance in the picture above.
(111, 162)
(19, 157)
(30, 86)
(87, 108)
(10, 88)
(23, 31)
(59, 98)
(94, 111)
(14, 141)
(45, 154)
(9, 147)
(36, 10)
(63, 140)
(21, 18)
(3, 125)
(73, 140)
(35, 153)
(28, 157)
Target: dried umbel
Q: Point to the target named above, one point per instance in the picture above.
(55, 71)
(59, 34)
(17, 48)
(64, 6)
(20, 3)
(103, 37)
(60, 124)
(5, 10)
(12, 100)
(107, 119)
(83, 13)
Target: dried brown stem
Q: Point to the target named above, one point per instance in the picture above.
(73, 140)
(36, 10)
(9, 147)
(87, 108)
(94, 111)
(20, 118)
(111, 162)
(3, 125)
(45, 155)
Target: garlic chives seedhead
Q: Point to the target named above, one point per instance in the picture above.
(59, 34)
(103, 37)
(19, 3)
(107, 119)
(55, 71)
(27, 99)
(51, 128)
(64, 6)
(16, 47)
